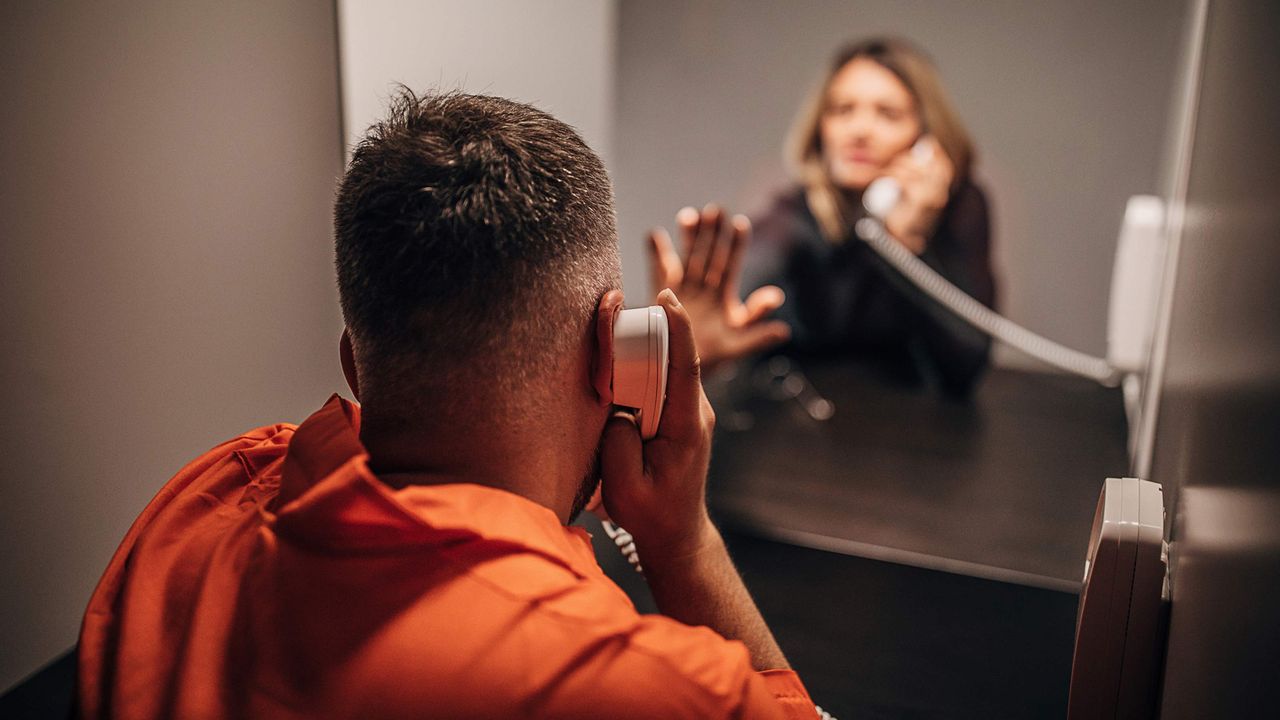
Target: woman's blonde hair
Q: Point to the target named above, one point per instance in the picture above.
(937, 118)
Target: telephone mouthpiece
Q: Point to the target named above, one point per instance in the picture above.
(880, 197)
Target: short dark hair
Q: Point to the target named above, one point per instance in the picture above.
(466, 226)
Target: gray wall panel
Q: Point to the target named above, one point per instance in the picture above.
(1217, 441)
(165, 267)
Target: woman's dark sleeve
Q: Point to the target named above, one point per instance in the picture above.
(961, 252)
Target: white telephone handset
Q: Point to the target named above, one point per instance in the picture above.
(641, 348)
(883, 194)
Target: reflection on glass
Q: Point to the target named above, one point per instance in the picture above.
(881, 112)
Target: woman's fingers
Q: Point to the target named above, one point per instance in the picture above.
(722, 246)
(761, 336)
(702, 249)
(687, 221)
(758, 334)
(665, 270)
(712, 246)
(904, 169)
(762, 302)
(731, 270)
(942, 168)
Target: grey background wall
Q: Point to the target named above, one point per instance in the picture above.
(1067, 102)
(1215, 446)
(165, 267)
(166, 259)
(558, 56)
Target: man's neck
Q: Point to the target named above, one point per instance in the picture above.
(524, 461)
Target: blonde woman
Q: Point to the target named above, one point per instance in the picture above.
(880, 111)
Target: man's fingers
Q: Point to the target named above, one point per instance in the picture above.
(664, 262)
(681, 413)
(621, 459)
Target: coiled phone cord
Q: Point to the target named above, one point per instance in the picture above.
(873, 232)
(626, 544)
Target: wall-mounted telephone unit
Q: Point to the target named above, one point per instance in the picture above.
(1116, 665)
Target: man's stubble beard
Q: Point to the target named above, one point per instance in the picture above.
(587, 485)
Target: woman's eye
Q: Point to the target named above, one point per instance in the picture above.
(889, 113)
(839, 109)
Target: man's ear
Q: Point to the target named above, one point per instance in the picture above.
(348, 356)
(602, 350)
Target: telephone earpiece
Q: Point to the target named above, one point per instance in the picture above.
(640, 352)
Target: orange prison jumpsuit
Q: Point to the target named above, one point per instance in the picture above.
(276, 577)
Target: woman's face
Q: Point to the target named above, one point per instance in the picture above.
(870, 117)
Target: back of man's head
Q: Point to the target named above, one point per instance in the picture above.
(475, 236)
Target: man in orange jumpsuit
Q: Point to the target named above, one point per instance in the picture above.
(411, 555)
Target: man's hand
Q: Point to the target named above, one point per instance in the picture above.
(925, 177)
(707, 281)
(657, 489)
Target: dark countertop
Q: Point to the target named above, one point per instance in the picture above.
(1001, 486)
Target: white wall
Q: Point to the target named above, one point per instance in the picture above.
(557, 55)
(1067, 101)
(165, 268)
